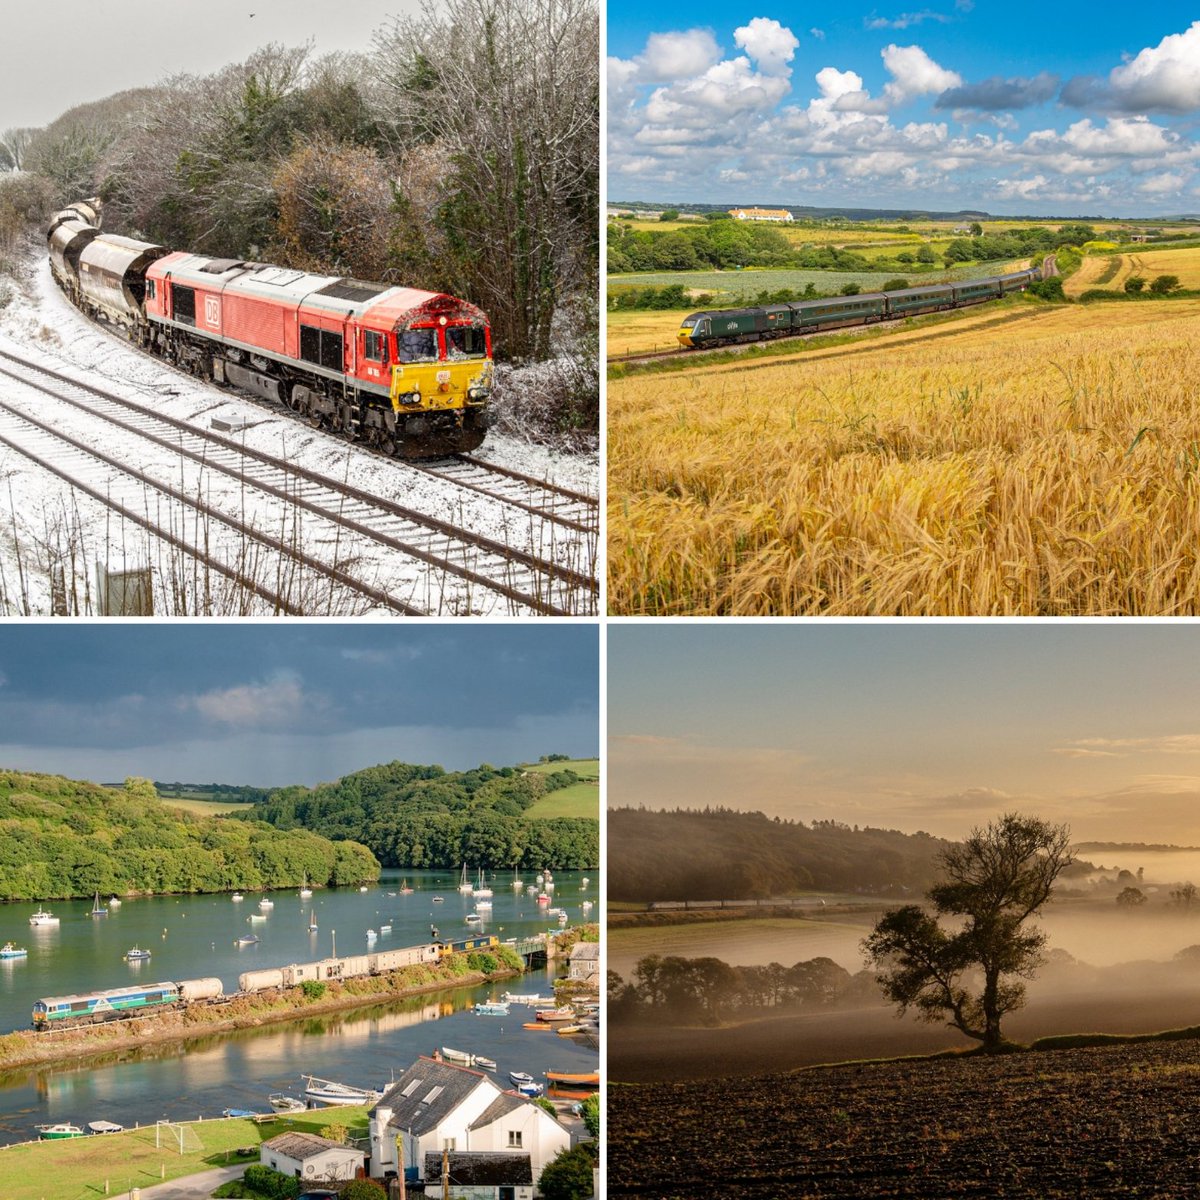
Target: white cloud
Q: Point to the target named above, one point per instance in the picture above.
(1163, 78)
(770, 44)
(1158, 185)
(914, 73)
(677, 55)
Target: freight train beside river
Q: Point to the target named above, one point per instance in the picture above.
(60, 1012)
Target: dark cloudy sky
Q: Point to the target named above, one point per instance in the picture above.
(278, 703)
(53, 57)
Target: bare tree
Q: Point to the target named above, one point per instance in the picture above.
(13, 144)
(509, 89)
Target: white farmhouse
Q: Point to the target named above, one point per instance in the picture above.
(435, 1106)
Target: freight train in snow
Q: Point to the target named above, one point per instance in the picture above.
(93, 1008)
(405, 371)
(728, 326)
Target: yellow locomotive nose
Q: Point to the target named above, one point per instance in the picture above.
(685, 335)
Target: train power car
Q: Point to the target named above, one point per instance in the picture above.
(727, 326)
(406, 371)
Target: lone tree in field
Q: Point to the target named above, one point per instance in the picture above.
(995, 881)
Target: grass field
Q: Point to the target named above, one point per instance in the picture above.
(97, 1166)
(203, 808)
(579, 800)
(1097, 270)
(1044, 462)
(585, 768)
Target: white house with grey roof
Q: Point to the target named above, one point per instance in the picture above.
(436, 1106)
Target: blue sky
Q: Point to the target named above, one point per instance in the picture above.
(291, 703)
(934, 727)
(1013, 107)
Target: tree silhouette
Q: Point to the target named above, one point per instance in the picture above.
(995, 881)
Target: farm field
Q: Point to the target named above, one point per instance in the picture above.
(1114, 1121)
(737, 286)
(1046, 462)
(1097, 270)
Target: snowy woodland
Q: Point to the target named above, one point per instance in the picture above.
(461, 154)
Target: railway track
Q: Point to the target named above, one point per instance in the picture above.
(574, 510)
(366, 552)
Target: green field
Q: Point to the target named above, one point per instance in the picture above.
(748, 283)
(585, 768)
(579, 800)
(98, 1166)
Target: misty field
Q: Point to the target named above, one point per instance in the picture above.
(744, 943)
(1096, 1122)
(1043, 463)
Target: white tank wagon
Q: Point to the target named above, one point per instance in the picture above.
(260, 981)
(112, 277)
(192, 990)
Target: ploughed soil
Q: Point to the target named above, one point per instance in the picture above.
(1111, 1121)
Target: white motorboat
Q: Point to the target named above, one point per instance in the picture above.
(265, 904)
(8, 950)
(281, 1102)
(42, 917)
(326, 1091)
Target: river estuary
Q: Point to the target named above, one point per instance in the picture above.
(195, 936)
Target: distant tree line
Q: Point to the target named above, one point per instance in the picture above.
(423, 816)
(718, 854)
(61, 838)
(667, 988)
(228, 792)
(728, 244)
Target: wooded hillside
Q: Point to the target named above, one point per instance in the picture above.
(424, 816)
(719, 854)
(62, 837)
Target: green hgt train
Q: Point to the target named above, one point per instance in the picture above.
(723, 327)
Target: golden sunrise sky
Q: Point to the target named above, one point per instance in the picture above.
(937, 727)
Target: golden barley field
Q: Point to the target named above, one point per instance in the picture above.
(1044, 460)
(1096, 270)
(637, 331)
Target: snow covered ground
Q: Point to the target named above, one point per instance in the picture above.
(44, 523)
